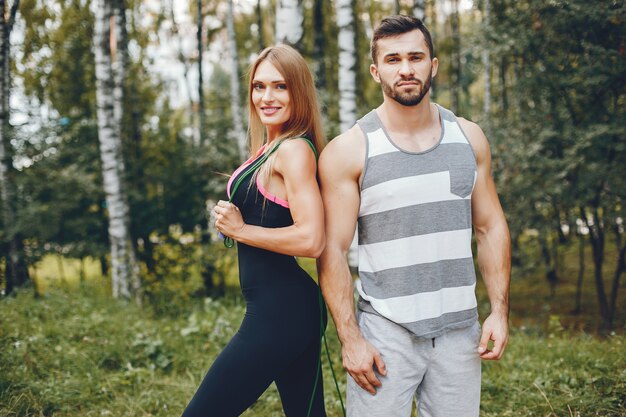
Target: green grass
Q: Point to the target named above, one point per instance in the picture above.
(57, 271)
(80, 353)
(76, 352)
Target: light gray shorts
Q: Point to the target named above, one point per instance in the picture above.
(442, 375)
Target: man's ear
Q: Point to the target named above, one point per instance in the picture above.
(374, 73)
(435, 67)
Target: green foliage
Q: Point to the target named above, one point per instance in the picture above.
(58, 65)
(52, 219)
(558, 130)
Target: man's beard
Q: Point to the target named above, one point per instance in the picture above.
(410, 98)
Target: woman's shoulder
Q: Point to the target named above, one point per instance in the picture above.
(294, 153)
(296, 146)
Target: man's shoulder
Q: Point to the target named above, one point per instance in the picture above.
(345, 152)
(346, 143)
(475, 136)
(470, 128)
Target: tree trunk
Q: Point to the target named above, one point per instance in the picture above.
(259, 22)
(235, 105)
(201, 112)
(596, 238)
(347, 64)
(289, 23)
(120, 63)
(183, 60)
(549, 262)
(620, 267)
(504, 100)
(455, 59)
(123, 265)
(434, 34)
(15, 271)
(319, 47)
(347, 81)
(581, 273)
(487, 64)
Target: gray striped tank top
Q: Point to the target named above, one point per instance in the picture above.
(415, 228)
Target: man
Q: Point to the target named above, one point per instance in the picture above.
(416, 178)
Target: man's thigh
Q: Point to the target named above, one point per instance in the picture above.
(451, 386)
(405, 364)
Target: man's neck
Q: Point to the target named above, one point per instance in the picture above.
(406, 119)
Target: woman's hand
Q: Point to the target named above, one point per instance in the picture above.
(228, 219)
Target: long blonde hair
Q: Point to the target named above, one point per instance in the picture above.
(305, 119)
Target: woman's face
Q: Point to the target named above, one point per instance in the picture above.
(270, 97)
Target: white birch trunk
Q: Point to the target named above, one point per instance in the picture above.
(176, 36)
(419, 9)
(201, 121)
(6, 187)
(122, 253)
(235, 105)
(487, 64)
(347, 82)
(455, 75)
(347, 64)
(289, 22)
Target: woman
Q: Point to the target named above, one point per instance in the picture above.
(276, 213)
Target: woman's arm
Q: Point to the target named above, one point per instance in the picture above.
(296, 164)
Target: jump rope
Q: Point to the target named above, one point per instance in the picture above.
(229, 243)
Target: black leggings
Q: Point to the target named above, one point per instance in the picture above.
(279, 340)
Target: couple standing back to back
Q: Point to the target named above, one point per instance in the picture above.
(416, 179)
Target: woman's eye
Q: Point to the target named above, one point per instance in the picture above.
(258, 86)
(281, 86)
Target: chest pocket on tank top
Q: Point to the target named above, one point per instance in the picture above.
(462, 177)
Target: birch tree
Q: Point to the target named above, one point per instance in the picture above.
(125, 280)
(259, 22)
(487, 64)
(289, 23)
(16, 273)
(319, 46)
(347, 81)
(347, 63)
(201, 111)
(455, 59)
(235, 104)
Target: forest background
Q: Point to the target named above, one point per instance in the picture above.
(120, 118)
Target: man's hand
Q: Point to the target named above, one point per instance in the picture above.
(359, 358)
(496, 328)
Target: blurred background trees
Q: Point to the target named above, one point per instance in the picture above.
(545, 80)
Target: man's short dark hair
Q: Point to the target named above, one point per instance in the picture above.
(398, 25)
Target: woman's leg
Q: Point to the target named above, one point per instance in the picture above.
(295, 384)
(234, 382)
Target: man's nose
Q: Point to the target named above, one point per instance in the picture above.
(406, 68)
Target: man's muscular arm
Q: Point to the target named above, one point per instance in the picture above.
(340, 167)
(493, 246)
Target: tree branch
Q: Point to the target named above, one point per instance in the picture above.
(14, 7)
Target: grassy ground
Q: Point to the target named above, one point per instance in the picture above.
(77, 352)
